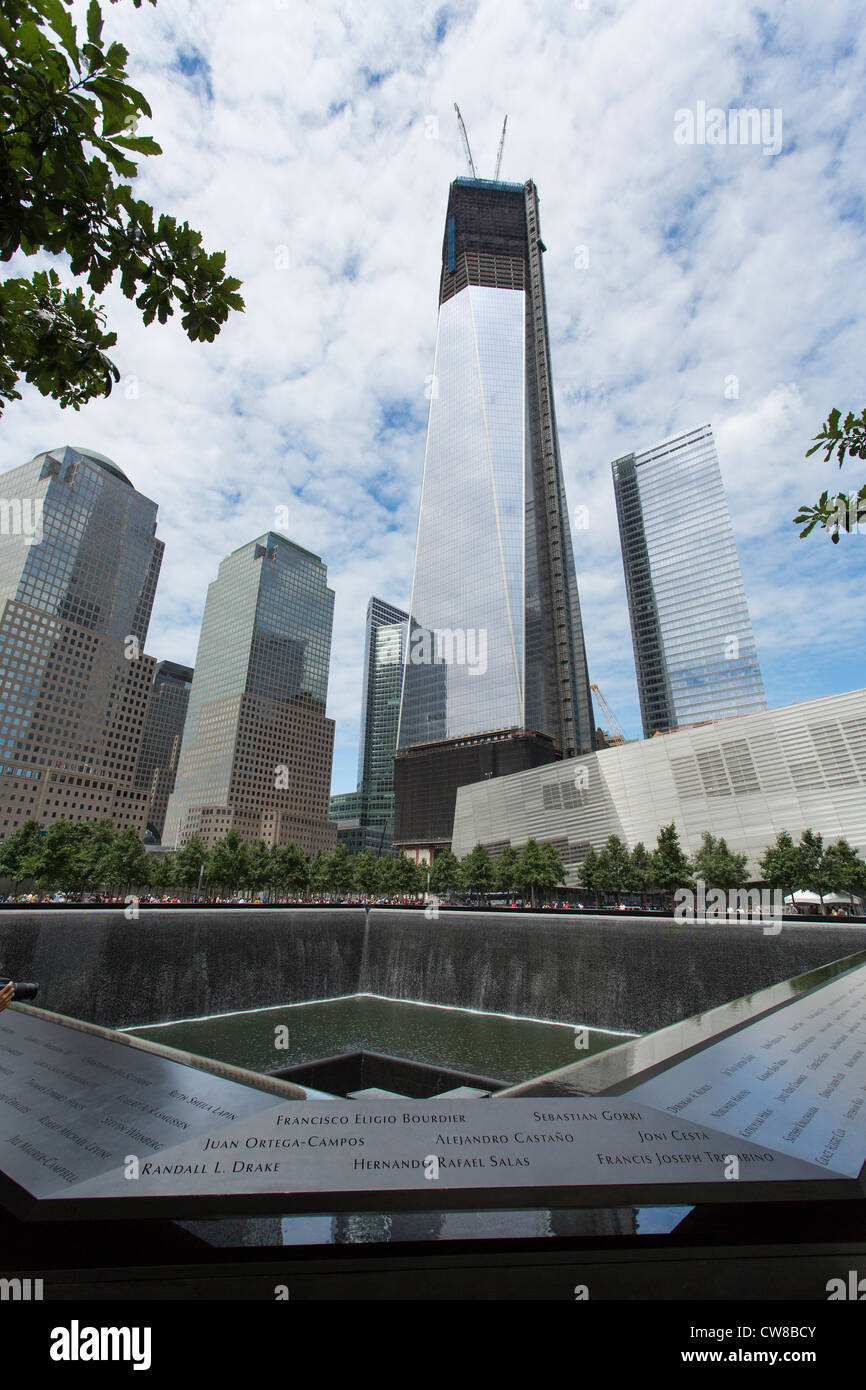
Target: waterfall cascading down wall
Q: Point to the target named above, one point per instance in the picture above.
(623, 973)
(98, 966)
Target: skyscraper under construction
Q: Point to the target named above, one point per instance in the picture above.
(495, 677)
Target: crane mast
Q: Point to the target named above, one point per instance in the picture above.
(466, 150)
(465, 139)
(499, 151)
(607, 714)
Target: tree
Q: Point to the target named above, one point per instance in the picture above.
(366, 871)
(55, 860)
(704, 865)
(291, 872)
(506, 870)
(841, 512)
(730, 867)
(340, 871)
(318, 873)
(553, 867)
(226, 862)
(409, 878)
(68, 129)
(445, 873)
(96, 854)
(188, 863)
(15, 850)
(387, 877)
(587, 874)
(163, 871)
(671, 868)
(640, 871)
(127, 863)
(612, 868)
(477, 871)
(858, 886)
(533, 870)
(718, 866)
(810, 864)
(844, 870)
(779, 864)
(259, 871)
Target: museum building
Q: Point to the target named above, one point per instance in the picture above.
(745, 778)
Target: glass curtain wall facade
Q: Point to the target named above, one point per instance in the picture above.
(694, 648)
(79, 563)
(257, 749)
(495, 640)
(160, 744)
(465, 668)
(380, 701)
(365, 817)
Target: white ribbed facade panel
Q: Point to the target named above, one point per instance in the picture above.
(795, 768)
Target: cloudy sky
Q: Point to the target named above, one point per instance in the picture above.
(315, 143)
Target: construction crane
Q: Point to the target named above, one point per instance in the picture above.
(617, 736)
(465, 139)
(499, 152)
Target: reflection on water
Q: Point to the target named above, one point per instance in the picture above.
(494, 1045)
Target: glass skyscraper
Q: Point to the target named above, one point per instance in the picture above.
(161, 740)
(79, 563)
(694, 648)
(366, 816)
(257, 749)
(380, 703)
(495, 659)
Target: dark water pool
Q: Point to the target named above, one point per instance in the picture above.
(511, 1049)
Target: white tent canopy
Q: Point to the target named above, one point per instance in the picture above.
(804, 895)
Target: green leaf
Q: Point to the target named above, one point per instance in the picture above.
(58, 17)
(67, 191)
(116, 56)
(94, 21)
(93, 56)
(142, 144)
(29, 40)
(116, 159)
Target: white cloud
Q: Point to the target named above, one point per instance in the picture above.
(704, 262)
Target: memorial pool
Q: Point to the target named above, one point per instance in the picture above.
(497, 1045)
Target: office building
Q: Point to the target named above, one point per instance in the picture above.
(495, 676)
(694, 649)
(79, 563)
(257, 748)
(365, 817)
(161, 740)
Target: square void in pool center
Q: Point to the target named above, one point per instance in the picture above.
(485, 1044)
